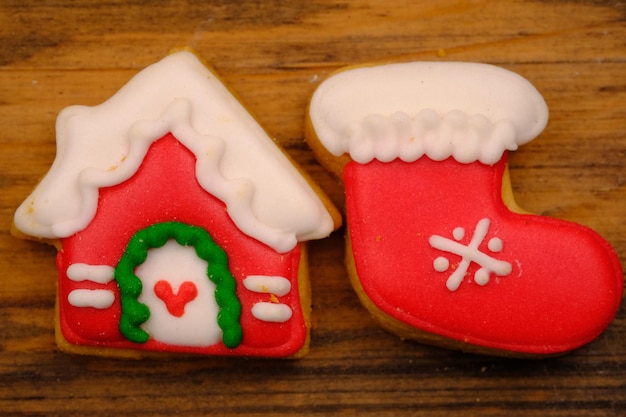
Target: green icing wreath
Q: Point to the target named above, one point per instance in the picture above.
(134, 313)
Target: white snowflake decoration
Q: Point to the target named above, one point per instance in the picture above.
(469, 254)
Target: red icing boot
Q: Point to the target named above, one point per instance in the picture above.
(459, 264)
(434, 252)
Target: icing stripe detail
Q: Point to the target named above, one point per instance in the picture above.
(272, 312)
(101, 274)
(267, 284)
(99, 299)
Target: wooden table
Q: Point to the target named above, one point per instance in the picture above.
(273, 54)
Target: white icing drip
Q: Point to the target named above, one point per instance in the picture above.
(101, 274)
(105, 144)
(237, 193)
(471, 112)
(100, 299)
(272, 312)
(267, 284)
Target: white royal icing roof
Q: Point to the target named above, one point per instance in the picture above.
(104, 145)
(470, 111)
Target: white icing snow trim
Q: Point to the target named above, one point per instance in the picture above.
(267, 284)
(100, 299)
(468, 111)
(272, 312)
(105, 144)
(101, 274)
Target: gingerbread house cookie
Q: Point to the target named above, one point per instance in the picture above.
(181, 226)
(437, 249)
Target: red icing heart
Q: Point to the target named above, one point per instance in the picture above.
(176, 303)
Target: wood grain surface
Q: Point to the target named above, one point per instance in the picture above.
(273, 53)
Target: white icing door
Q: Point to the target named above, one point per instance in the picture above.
(180, 296)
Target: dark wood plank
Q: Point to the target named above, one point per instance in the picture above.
(273, 54)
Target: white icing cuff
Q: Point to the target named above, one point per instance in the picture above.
(468, 111)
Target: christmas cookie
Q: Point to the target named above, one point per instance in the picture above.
(181, 226)
(437, 249)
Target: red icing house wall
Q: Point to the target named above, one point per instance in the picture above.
(165, 189)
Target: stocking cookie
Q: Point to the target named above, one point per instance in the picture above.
(436, 248)
(181, 226)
